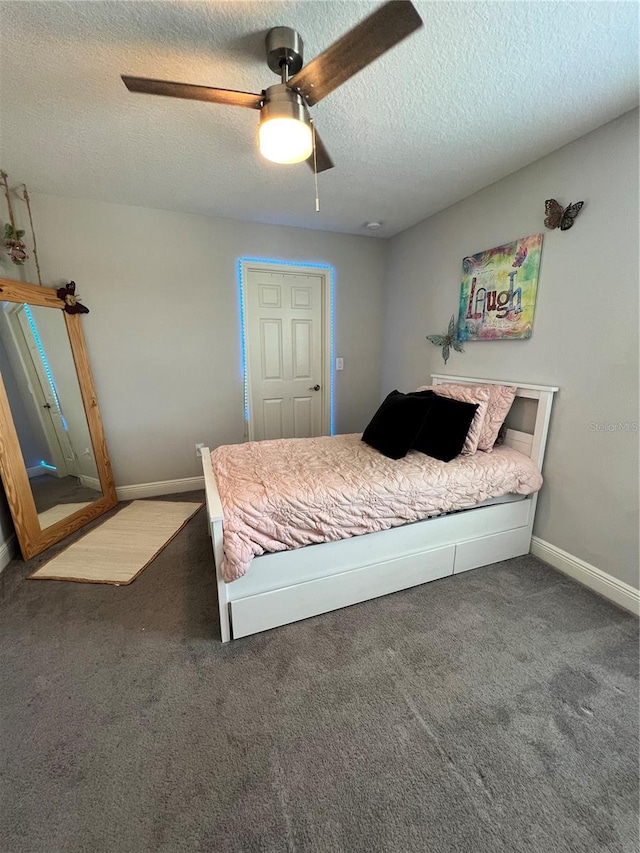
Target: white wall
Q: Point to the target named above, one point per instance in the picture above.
(585, 335)
(163, 331)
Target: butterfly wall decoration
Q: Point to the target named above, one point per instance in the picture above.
(448, 340)
(559, 216)
(71, 303)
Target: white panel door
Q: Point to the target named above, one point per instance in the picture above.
(45, 397)
(283, 327)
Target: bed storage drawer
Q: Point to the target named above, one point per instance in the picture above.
(492, 549)
(289, 604)
(492, 519)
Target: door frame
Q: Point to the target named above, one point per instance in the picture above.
(327, 275)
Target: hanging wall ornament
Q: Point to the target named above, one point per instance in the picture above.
(13, 242)
(25, 196)
(448, 340)
(14, 246)
(71, 304)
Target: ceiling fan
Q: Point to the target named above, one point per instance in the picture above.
(286, 133)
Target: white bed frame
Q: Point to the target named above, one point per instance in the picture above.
(292, 585)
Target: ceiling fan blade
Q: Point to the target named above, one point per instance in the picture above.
(323, 161)
(193, 93)
(382, 30)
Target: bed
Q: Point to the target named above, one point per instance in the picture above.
(289, 585)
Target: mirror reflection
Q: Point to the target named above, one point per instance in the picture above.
(39, 375)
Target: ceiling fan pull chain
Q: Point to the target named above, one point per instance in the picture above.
(315, 165)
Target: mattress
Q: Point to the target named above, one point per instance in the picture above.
(287, 493)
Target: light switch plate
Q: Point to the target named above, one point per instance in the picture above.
(339, 363)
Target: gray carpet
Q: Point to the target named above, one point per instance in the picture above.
(494, 712)
(49, 491)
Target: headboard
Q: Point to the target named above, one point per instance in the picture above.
(532, 444)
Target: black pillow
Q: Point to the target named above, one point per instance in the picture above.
(421, 394)
(395, 426)
(444, 430)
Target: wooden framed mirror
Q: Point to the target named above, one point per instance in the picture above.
(54, 462)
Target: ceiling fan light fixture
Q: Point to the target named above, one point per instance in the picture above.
(285, 140)
(284, 134)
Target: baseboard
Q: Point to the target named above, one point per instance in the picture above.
(597, 580)
(8, 550)
(36, 471)
(90, 482)
(164, 487)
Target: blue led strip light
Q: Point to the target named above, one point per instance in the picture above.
(332, 352)
(45, 364)
(243, 343)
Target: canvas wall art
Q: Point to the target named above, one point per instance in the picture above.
(498, 293)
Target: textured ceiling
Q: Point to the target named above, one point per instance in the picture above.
(483, 89)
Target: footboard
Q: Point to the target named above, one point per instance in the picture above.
(215, 521)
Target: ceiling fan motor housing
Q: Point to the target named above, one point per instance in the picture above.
(284, 48)
(282, 102)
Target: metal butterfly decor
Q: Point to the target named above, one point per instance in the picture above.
(71, 304)
(559, 216)
(448, 340)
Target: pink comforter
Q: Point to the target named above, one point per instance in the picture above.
(283, 494)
